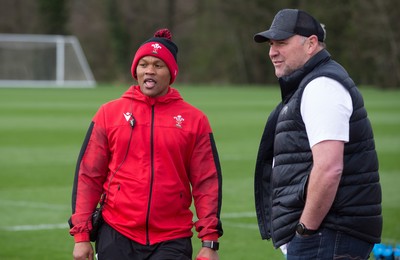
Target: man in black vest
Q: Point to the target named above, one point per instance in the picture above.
(317, 189)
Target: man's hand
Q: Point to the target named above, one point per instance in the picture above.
(207, 253)
(83, 251)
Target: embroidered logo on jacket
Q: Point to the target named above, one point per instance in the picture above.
(179, 120)
(156, 46)
(284, 110)
(127, 116)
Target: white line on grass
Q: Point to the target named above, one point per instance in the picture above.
(36, 227)
(238, 215)
(240, 225)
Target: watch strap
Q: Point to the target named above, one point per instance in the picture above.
(310, 232)
(211, 244)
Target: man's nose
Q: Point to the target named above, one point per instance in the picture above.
(150, 69)
(272, 51)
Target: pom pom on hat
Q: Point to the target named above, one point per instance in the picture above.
(163, 33)
(159, 46)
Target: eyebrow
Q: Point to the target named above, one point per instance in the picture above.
(157, 60)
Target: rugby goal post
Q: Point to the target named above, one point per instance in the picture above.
(28, 60)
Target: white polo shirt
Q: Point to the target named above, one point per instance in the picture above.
(326, 108)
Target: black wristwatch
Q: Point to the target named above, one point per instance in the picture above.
(211, 244)
(301, 229)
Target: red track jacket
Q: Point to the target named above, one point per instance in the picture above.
(150, 171)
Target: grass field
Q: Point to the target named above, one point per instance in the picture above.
(41, 131)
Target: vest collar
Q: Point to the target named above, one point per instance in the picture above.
(290, 83)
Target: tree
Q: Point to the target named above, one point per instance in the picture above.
(214, 37)
(54, 16)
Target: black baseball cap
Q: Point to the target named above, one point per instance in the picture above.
(289, 22)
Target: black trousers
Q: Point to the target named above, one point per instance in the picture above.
(111, 245)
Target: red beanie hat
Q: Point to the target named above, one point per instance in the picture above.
(159, 46)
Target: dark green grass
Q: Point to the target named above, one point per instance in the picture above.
(41, 131)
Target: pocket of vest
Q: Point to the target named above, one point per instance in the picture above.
(303, 190)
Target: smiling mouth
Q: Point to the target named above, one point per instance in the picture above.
(277, 62)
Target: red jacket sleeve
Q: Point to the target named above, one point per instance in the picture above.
(206, 180)
(91, 172)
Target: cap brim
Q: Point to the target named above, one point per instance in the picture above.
(272, 35)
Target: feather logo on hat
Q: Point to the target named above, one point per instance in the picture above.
(156, 46)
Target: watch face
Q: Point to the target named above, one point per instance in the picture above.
(300, 228)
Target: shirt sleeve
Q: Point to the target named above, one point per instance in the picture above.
(326, 107)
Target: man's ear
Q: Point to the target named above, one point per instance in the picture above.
(312, 44)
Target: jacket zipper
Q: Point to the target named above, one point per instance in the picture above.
(152, 174)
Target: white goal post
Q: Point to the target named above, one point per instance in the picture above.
(28, 60)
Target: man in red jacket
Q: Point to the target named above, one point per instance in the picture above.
(147, 154)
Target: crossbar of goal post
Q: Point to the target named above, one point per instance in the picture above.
(21, 55)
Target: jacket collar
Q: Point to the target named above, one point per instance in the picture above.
(135, 93)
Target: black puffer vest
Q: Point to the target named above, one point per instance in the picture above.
(280, 192)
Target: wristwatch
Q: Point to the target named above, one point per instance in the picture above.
(211, 244)
(301, 229)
